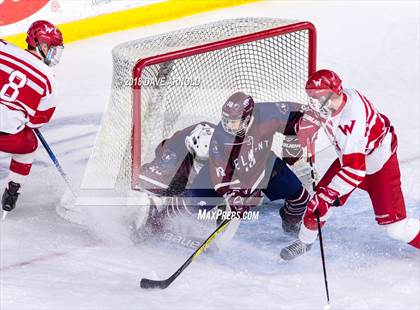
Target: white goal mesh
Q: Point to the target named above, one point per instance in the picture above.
(170, 81)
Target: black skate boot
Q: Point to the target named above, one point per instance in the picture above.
(296, 249)
(10, 196)
(290, 222)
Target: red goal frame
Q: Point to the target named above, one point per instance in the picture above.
(141, 64)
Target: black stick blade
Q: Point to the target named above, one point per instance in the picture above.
(147, 283)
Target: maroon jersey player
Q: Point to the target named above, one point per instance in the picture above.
(242, 164)
(27, 99)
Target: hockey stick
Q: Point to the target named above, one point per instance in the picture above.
(162, 284)
(54, 160)
(321, 243)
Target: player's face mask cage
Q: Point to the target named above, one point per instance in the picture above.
(321, 104)
(236, 127)
(50, 53)
(53, 56)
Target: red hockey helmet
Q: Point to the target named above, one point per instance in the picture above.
(322, 83)
(47, 39)
(236, 113)
(321, 87)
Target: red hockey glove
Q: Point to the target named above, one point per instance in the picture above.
(322, 201)
(307, 128)
(291, 150)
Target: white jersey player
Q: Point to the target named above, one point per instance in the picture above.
(366, 146)
(27, 99)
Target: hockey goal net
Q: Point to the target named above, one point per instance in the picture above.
(167, 82)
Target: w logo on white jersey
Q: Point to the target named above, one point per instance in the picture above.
(348, 128)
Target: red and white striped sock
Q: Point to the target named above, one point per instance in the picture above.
(20, 167)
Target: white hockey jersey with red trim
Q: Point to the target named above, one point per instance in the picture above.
(26, 85)
(362, 139)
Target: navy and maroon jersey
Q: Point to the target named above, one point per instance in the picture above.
(241, 162)
(173, 166)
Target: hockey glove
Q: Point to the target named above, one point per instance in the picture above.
(307, 129)
(322, 201)
(240, 203)
(291, 150)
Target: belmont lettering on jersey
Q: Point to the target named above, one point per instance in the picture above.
(347, 128)
(248, 161)
(242, 162)
(220, 172)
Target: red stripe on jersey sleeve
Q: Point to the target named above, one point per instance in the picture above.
(377, 132)
(355, 161)
(344, 181)
(369, 107)
(367, 113)
(353, 176)
(350, 182)
(41, 118)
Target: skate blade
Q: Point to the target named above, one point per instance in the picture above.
(4, 215)
(282, 261)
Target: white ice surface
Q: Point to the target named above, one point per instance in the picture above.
(47, 263)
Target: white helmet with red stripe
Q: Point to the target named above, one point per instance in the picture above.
(198, 141)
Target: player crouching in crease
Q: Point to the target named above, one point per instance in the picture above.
(27, 100)
(182, 171)
(366, 145)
